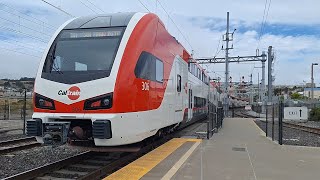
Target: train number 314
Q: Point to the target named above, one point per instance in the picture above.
(145, 86)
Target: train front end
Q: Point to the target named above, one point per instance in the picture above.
(74, 88)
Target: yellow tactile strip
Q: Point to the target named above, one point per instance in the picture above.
(143, 165)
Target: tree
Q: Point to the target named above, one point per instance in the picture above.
(20, 85)
(296, 96)
(7, 84)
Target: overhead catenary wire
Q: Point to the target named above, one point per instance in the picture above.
(19, 52)
(218, 47)
(65, 12)
(24, 46)
(144, 5)
(95, 6)
(25, 26)
(264, 21)
(175, 24)
(31, 46)
(27, 15)
(28, 19)
(88, 7)
(25, 34)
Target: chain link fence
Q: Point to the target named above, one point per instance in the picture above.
(13, 108)
(272, 123)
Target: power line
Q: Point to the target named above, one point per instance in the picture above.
(19, 52)
(65, 12)
(264, 20)
(23, 42)
(144, 5)
(29, 47)
(88, 7)
(25, 26)
(28, 35)
(27, 19)
(264, 13)
(43, 23)
(174, 24)
(96, 6)
(218, 47)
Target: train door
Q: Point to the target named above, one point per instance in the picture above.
(190, 105)
(178, 93)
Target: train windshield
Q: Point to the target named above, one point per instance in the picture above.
(82, 55)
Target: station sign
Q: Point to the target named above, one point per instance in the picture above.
(296, 113)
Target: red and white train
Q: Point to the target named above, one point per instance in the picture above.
(116, 79)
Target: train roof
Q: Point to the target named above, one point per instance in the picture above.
(101, 20)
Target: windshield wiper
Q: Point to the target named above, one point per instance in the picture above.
(52, 61)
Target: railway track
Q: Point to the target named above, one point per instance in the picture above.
(18, 144)
(289, 125)
(242, 114)
(90, 165)
(302, 128)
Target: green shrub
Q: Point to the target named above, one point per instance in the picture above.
(315, 114)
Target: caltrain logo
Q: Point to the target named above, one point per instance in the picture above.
(73, 93)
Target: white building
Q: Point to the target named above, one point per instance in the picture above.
(316, 92)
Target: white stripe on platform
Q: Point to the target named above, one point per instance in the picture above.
(179, 163)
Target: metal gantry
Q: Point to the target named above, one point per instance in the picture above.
(241, 59)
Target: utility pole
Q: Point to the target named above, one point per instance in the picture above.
(226, 84)
(251, 90)
(259, 97)
(270, 59)
(312, 81)
(263, 82)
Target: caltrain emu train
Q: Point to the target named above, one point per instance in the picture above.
(116, 79)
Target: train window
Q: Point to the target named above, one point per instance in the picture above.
(199, 102)
(193, 69)
(81, 55)
(145, 66)
(178, 83)
(149, 67)
(159, 70)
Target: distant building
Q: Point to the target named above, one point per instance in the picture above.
(308, 85)
(316, 92)
(2, 84)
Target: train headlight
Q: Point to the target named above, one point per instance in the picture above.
(43, 102)
(99, 102)
(106, 102)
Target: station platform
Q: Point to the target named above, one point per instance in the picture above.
(240, 151)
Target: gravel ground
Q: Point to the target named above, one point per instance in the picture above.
(315, 124)
(5, 137)
(21, 161)
(11, 124)
(8, 125)
(291, 136)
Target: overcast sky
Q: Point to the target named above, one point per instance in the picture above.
(292, 27)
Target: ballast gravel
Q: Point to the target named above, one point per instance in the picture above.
(291, 136)
(17, 162)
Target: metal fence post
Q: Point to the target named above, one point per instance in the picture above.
(24, 111)
(272, 121)
(280, 122)
(5, 110)
(266, 121)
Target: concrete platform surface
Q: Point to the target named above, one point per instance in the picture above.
(240, 151)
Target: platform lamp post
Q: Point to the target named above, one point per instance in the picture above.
(312, 82)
